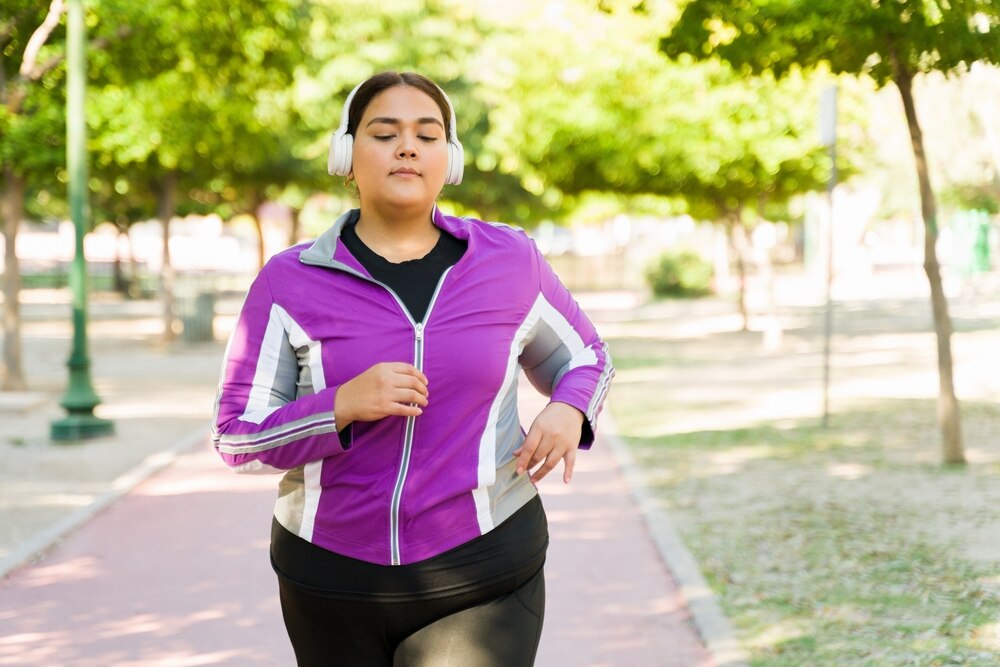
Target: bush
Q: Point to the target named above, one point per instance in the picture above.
(680, 274)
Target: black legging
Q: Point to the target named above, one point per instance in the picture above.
(479, 605)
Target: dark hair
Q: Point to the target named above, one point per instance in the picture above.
(384, 80)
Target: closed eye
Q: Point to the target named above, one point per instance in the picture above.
(384, 137)
(424, 138)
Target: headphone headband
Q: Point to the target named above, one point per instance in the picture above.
(339, 162)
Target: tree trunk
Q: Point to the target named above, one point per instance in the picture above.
(135, 274)
(738, 235)
(120, 281)
(773, 332)
(255, 204)
(293, 233)
(260, 239)
(948, 409)
(166, 207)
(12, 371)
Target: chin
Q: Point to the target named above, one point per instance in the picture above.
(409, 202)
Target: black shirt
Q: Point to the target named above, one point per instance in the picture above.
(414, 281)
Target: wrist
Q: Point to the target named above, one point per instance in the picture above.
(571, 411)
(342, 413)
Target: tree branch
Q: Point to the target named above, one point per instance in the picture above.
(38, 39)
(18, 89)
(96, 45)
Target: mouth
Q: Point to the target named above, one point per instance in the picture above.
(405, 171)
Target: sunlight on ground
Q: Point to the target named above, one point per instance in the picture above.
(693, 328)
(141, 408)
(988, 636)
(61, 499)
(733, 460)
(777, 633)
(136, 329)
(186, 659)
(225, 481)
(76, 569)
(849, 471)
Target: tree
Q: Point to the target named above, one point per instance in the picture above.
(631, 123)
(188, 107)
(889, 40)
(32, 143)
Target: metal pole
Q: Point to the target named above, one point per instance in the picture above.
(80, 399)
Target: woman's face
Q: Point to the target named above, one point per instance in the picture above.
(400, 154)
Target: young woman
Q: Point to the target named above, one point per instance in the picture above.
(377, 370)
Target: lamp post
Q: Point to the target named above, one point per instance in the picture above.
(80, 399)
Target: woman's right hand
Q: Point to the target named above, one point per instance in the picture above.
(386, 389)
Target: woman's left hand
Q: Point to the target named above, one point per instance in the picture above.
(553, 436)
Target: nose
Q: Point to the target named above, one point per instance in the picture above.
(407, 146)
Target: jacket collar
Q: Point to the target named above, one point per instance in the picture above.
(324, 250)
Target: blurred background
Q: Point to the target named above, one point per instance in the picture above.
(212, 122)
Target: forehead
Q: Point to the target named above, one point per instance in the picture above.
(402, 102)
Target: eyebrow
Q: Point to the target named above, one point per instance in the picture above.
(395, 121)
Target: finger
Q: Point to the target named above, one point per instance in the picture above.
(546, 445)
(413, 371)
(410, 397)
(570, 460)
(550, 462)
(403, 410)
(414, 383)
(527, 450)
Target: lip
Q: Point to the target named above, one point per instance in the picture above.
(405, 171)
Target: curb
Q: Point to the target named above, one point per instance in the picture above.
(713, 626)
(36, 545)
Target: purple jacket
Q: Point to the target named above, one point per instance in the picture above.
(400, 490)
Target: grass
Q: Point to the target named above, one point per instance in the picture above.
(846, 545)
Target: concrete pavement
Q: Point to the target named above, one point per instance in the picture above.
(175, 572)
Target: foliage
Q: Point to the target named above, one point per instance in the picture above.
(680, 274)
(973, 196)
(32, 120)
(191, 91)
(851, 36)
(888, 41)
(632, 123)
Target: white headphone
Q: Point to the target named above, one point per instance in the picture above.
(342, 145)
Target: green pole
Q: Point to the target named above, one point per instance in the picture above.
(80, 399)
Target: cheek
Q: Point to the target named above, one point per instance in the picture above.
(365, 161)
(439, 159)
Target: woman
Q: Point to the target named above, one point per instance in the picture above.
(377, 370)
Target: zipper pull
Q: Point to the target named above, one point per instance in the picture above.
(419, 329)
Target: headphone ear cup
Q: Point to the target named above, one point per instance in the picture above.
(456, 163)
(339, 162)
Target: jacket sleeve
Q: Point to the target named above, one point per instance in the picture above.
(266, 420)
(563, 356)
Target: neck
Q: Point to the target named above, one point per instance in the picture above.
(398, 238)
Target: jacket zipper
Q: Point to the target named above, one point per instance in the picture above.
(404, 465)
(418, 361)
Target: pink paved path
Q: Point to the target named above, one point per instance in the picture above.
(176, 574)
